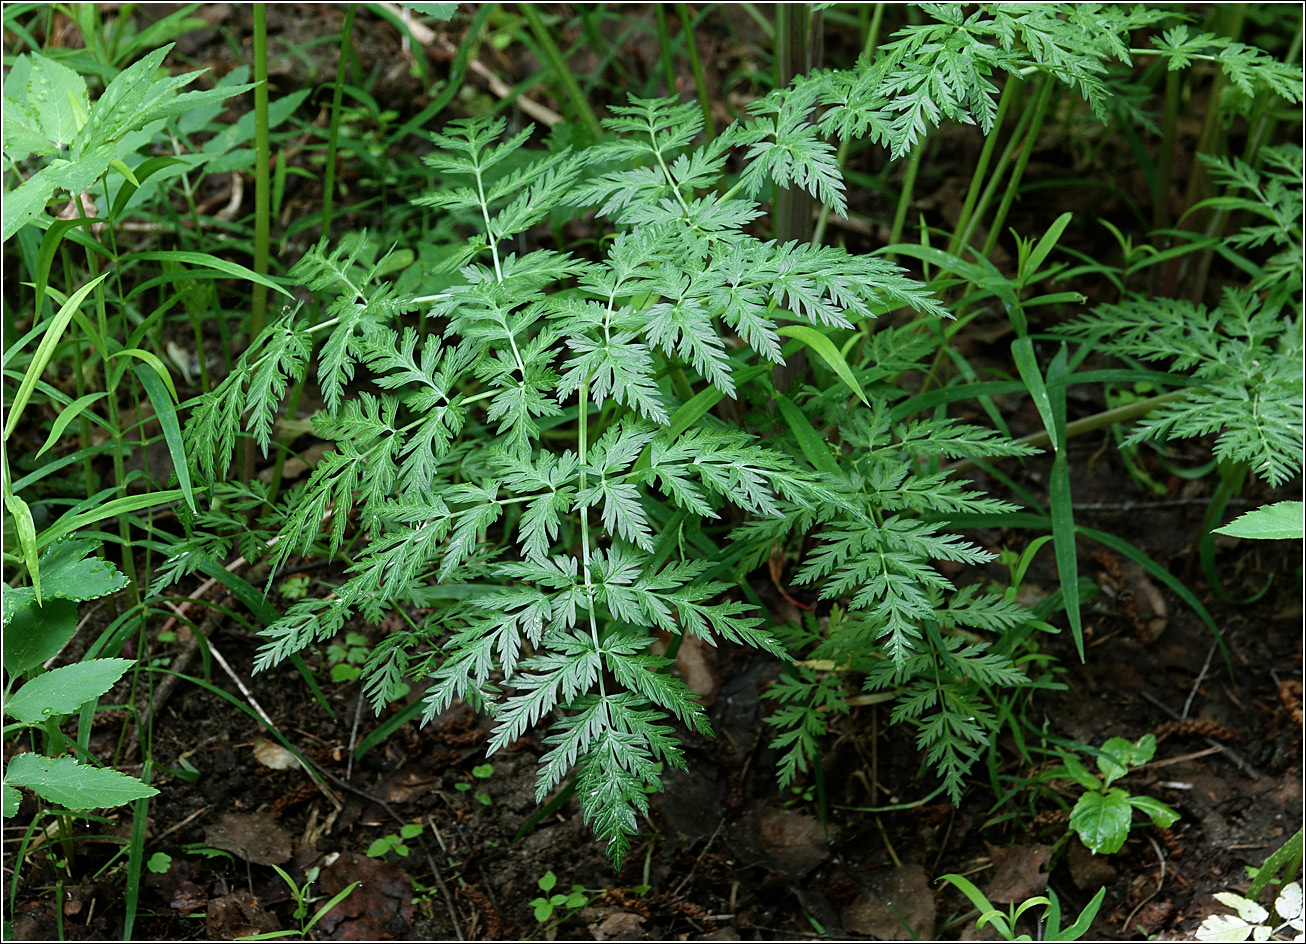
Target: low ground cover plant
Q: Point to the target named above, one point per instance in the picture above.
(543, 438)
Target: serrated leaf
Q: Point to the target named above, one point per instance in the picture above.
(62, 691)
(12, 798)
(1282, 521)
(75, 786)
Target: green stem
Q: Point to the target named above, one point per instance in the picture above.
(262, 188)
(79, 379)
(995, 181)
(869, 45)
(333, 134)
(905, 195)
(111, 402)
(664, 44)
(582, 447)
(1035, 126)
(328, 195)
(262, 161)
(1165, 158)
(981, 168)
(564, 74)
(696, 67)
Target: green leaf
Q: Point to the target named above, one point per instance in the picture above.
(1063, 533)
(1022, 350)
(46, 105)
(66, 416)
(23, 523)
(209, 261)
(440, 11)
(825, 349)
(1045, 246)
(62, 691)
(36, 632)
(11, 800)
(547, 882)
(1102, 820)
(380, 847)
(810, 442)
(49, 341)
(73, 785)
(159, 863)
(1163, 816)
(111, 509)
(153, 379)
(1282, 521)
(1115, 759)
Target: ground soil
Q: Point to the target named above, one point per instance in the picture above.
(724, 855)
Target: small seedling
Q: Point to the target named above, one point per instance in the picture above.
(302, 901)
(547, 905)
(1005, 923)
(394, 843)
(1103, 815)
(294, 588)
(159, 863)
(347, 660)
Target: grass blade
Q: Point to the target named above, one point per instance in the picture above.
(824, 348)
(44, 351)
(167, 414)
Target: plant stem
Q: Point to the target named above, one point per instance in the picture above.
(262, 156)
(869, 45)
(1031, 138)
(328, 194)
(111, 403)
(696, 67)
(545, 39)
(981, 169)
(582, 446)
(262, 160)
(905, 195)
(664, 44)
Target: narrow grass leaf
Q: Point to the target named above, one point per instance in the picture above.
(44, 351)
(233, 269)
(809, 440)
(149, 375)
(825, 349)
(111, 509)
(1022, 351)
(1063, 534)
(66, 416)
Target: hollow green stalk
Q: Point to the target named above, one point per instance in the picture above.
(262, 188)
(111, 405)
(905, 195)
